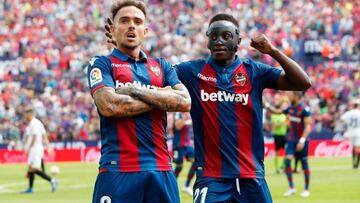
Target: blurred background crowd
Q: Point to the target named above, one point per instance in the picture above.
(45, 46)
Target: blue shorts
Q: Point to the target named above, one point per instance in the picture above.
(290, 149)
(180, 152)
(136, 187)
(220, 190)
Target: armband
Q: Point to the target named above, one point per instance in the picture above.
(302, 140)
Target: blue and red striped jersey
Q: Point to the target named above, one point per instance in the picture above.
(183, 137)
(296, 115)
(136, 143)
(227, 115)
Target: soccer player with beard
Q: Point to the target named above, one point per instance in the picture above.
(132, 93)
(226, 110)
(297, 144)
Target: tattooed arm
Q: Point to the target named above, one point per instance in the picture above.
(167, 99)
(111, 104)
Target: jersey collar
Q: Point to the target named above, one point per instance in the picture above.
(229, 68)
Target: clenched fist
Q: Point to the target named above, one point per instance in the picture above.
(262, 44)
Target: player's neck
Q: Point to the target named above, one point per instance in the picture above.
(225, 63)
(132, 53)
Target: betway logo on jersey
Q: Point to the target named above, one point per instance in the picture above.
(224, 96)
(206, 78)
(135, 83)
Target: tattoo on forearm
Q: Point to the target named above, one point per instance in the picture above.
(168, 100)
(111, 104)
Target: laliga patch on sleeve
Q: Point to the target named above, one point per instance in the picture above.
(95, 76)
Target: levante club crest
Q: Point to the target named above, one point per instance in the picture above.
(241, 79)
(155, 70)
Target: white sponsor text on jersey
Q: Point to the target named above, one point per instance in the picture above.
(116, 65)
(206, 78)
(225, 96)
(134, 83)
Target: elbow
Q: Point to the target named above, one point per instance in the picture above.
(307, 84)
(186, 106)
(304, 85)
(106, 112)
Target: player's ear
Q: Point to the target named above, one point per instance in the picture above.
(239, 41)
(112, 28)
(146, 31)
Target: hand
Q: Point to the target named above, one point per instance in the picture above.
(262, 44)
(299, 146)
(51, 152)
(165, 88)
(108, 24)
(125, 90)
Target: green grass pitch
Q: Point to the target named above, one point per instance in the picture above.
(332, 181)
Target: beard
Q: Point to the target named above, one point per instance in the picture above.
(127, 46)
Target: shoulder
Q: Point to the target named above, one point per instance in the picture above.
(35, 123)
(99, 60)
(255, 64)
(306, 109)
(98, 64)
(162, 62)
(190, 65)
(38, 122)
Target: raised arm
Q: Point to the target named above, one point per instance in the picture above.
(167, 99)
(293, 77)
(111, 104)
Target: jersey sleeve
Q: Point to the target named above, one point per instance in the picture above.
(344, 117)
(268, 75)
(286, 111)
(37, 129)
(171, 78)
(184, 70)
(99, 73)
(180, 69)
(306, 112)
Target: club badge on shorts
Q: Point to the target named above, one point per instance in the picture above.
(240, 78)
(95, 76)
(155, 70)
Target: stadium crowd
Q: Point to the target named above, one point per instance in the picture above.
(45, 47)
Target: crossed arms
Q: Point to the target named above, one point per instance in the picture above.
(133, 100)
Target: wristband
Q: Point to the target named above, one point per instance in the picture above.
(302, 140)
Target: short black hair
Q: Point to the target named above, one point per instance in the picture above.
(29, 109)
(226, 17)
(119, 4)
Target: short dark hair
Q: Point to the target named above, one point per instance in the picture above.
(226, 17)
(29, 109)
(119, 4)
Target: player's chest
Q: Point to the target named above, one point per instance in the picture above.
(295, 115)
(142, 74)
(225, 87)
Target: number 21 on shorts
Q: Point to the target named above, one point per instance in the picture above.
(105, 199)
(200, 193)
